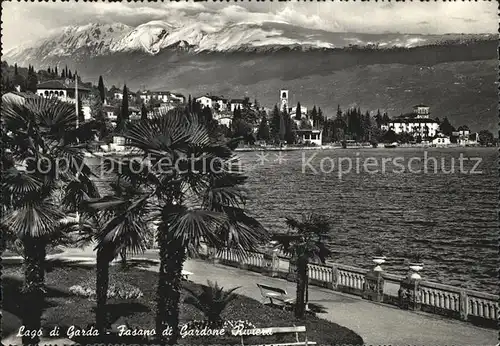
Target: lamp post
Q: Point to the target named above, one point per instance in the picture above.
(307, 289)
(76, 98)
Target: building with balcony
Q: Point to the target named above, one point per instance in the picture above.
(63, 90)
(418, 123)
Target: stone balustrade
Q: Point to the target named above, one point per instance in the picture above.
(467, 305)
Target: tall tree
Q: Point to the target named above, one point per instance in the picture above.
(264, 131)
(314, 117)
(446, 127)
(56, 72)
(32, 212)
(144, 112)
(275, 123)
(97, 113)
(283, 124)
(16, 72)
(298, 112)
(290, 127)
(486, 137)
(306, 241)
(102, 89)
(124, 108)
(339, 112)
(32, 80)
(199, 198)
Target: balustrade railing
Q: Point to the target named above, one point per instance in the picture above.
(432, 297)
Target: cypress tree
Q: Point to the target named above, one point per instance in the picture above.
(125, 104)
(81, 116)
(102, 90)
(144, 112)
(298, 112)
(15, 70)
(314, 116)
(275, 123)
(55, 72)
(264, 132)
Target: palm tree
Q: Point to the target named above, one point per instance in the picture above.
(211, 301)
(188, 176)
(43, 153)
(114, 230)
(307, 242)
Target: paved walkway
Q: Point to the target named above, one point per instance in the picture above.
(377, 324)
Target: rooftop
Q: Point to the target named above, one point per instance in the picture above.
(60, 85)
(414, 120)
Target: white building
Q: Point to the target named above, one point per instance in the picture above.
(417, 123)
(204, 101)
(464, 136)
(235, 103)
(161, 96)
(213, 102)
(310, 136)
(63, 90)
(441, 140)
(110, 112)
(225, 120)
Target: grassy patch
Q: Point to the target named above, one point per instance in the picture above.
(64, 308)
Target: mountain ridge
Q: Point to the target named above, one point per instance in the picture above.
(97, 39)
(454, 74)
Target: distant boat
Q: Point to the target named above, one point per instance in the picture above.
(392, 145)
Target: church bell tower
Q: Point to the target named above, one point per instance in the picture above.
(283, 99)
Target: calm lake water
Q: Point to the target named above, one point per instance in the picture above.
(447, 214)
(449, 217)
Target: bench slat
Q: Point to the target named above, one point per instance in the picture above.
(271, 288)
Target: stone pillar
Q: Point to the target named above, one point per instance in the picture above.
(243, 264)
(464, 305)
(271, 263)
(335, 277)
(212, 255)
(373, 288)
(292, 270)
(409, 294)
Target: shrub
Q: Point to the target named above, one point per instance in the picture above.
(211, 301)
(121, 290)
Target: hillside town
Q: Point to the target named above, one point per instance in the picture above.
(281, 124)
(249, 173)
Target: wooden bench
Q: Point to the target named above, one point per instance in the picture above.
(281, 330)
(275, 294)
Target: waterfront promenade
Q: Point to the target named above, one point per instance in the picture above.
(377, 324)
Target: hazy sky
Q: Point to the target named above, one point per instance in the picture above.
(24, 22)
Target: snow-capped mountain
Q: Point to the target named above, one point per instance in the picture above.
(103, 39)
